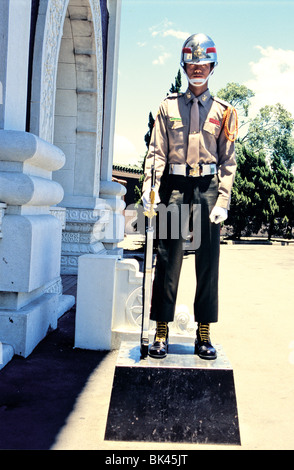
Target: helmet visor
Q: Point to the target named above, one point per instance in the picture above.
(199, 55)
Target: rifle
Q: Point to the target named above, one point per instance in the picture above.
(148, 268)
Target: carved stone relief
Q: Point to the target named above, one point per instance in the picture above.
(55, 11)
(70, 32)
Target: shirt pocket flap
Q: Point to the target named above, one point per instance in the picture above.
(175, 123)
(212, 128)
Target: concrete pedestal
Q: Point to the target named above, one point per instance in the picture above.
(180, 398)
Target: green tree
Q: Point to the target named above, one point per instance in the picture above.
(252, 177)
(284, 179)
(262, 196)
(284, 147)
(272, 130)
(176, 87)
(147, 136)
(238, 96)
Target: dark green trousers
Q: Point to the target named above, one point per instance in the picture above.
(183, 191)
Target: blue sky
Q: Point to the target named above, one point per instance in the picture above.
(255, 46)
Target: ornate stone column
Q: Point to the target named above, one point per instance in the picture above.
(31, 297)
(83, 235)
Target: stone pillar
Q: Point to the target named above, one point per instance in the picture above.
(30, 236)
(112, 193)
(15, 18)
(30, 244)
(114, 8)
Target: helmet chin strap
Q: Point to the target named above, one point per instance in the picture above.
(199, 81)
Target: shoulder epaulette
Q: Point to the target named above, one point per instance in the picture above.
(172, 96)
(223, 102)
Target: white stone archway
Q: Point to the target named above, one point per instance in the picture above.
(67, 110)
(49, 34)
(78, 120)
(79, 104)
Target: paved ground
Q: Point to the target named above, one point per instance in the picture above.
(58, 397)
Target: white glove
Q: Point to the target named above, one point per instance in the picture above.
(146, 200)
(218, 215)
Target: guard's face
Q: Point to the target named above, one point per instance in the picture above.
(200, 71)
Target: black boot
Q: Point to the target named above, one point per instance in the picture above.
(203, 346)
(159, 347)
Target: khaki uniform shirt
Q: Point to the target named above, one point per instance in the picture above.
(169, 140)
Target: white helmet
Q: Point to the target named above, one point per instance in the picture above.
(199, 49)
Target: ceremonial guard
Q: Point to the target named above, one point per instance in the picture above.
(193, 137)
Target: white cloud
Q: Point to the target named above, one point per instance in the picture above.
(172, 32)
(164, 29)
(273, 79)
(177, 34)
(125, 152)
(160, 28)
(162, 59)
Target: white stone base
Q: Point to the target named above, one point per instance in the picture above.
(109, 305)
(23, 329)
(95, 297)
(6, 354)
(65, 303)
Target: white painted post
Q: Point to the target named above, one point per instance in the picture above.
(15, 20)
(114, 8)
